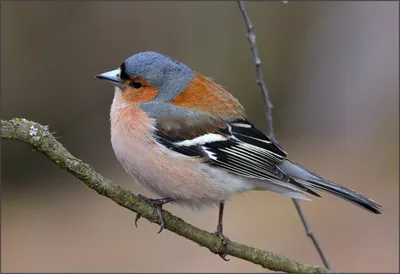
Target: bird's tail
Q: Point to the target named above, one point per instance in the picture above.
(310, 179)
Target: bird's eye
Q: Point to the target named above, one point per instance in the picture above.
(136, 85)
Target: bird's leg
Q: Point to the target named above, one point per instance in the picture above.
(218, 232)
(158, 203)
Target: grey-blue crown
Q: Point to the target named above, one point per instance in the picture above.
(168, 75)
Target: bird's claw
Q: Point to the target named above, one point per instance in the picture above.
(137, 218)
(157, 203)
(225, 242)
(162, 224)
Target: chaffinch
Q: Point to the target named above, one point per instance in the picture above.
(187, 140)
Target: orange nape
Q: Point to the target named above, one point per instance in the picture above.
(206, 96)
(145, 93)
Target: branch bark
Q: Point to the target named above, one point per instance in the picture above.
(40, 139)
(251, 37)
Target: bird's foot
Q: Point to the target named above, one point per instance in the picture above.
(158, 204)
(225, 243)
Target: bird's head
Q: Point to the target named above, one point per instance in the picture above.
(149, 76)
(164, 87)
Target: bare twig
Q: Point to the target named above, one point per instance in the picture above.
(310, 234)
(40, 139)
(251, 37)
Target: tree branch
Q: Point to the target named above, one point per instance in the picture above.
(40, 139)
(251, 37)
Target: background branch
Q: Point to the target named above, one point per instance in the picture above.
(251, 37)
(40, 139)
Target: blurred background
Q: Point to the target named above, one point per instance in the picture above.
(332, 69)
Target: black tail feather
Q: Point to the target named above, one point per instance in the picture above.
(312, 180)
(346, 194)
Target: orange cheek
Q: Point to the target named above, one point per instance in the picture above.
(145, 94)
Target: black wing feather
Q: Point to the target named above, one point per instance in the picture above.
(170, 142)
(246, 132)
(245, 151)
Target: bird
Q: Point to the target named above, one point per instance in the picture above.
(188, 141)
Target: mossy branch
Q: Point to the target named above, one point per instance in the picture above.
(40, 139)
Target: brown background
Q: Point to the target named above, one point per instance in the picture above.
(332, 70)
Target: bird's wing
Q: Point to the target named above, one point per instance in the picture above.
(237, 147)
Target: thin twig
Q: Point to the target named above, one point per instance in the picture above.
(310, 234)
(251, 37)
(40, 139)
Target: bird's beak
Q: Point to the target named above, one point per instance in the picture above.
(112, 76)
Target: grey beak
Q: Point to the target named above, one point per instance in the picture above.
(112, 76)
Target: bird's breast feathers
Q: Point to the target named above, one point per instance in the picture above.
(164, 171)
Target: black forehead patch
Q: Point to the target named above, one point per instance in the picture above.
(124, 75)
